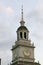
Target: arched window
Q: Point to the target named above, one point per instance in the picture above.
(20, 34)
(25, 35)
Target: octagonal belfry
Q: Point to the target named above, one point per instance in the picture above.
(23, 50)
(22, 33)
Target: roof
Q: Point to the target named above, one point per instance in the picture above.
(22, 28)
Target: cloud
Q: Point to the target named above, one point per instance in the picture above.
(37, 11)
(37, 36)
(6, 9)
(8, 26)
(5, 56)
(36, 21)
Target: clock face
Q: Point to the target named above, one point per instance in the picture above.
(26, 53)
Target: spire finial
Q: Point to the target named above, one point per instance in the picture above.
(22, 21)
(22, 12)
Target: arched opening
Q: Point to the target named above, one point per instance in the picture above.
(20, 34)
(25, 35)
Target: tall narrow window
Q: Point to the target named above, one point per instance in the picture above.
(20, 34)
(25, 35)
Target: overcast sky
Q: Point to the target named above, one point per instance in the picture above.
(10, 16)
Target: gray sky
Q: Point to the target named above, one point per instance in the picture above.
(10, 16)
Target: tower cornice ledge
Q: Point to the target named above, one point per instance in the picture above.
(25, 63)
(22, 45)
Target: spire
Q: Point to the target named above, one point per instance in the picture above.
(22, 13)
(22, 21)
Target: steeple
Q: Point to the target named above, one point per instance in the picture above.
(22, 31)
(22, 21)
(23, 49)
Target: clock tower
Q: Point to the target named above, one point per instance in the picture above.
(23, 50)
